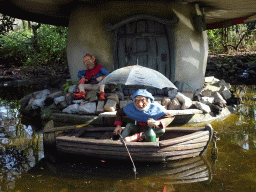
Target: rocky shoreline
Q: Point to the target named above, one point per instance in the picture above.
(235, 69)
(222, 71)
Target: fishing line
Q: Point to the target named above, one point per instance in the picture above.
(134, 168)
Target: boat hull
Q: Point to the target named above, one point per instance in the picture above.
(176, 143)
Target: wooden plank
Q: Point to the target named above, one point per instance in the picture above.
(184, 129)
(106, 142)
(187, 181)
(172, 112)
(187, 172)
(183, 147)
(181, 139)
(182, 156)
(198, 140)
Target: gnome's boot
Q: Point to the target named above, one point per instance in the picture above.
(80, 95)
(102, 96)
(134, 138)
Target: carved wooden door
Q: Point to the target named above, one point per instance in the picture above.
(145, 42)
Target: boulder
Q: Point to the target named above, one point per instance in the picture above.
(207, 100)
(57, 100)
(71, 109)
(174, 104)
(172, 93)
(88, 108)
(114, 97)
(42, 94)
(38, 103)
(225, 92)
(165, 101)
(186, 101)
(110, 106)
(218, 98)
(72, 89)
(203, 107)
(100, 107)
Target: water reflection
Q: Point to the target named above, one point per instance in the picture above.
(95, 175)
(20, 145)
(23, 167)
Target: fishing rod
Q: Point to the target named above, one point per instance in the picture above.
(134, 168)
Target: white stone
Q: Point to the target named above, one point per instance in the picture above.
(225, 92)
(186, 102)
(38, 103)
(206, 93)
(203, 107)
(71, 109)
(223, 83)
(57, 100)
(207, 100)
(88, 108)
(172, 93)
(42, 94)
(72, 89)
(218, 98)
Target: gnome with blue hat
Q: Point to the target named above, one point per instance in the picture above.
(146, 112)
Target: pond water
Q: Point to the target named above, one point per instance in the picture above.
(24, 168)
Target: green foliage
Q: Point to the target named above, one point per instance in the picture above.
(238, 37)
(17, 48)
(69, 84)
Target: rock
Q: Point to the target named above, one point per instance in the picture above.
(62, 105)
(207, 100)
(71, 109)
(223, 83)
(211, 80)
(114, 97)
(93, 99)
(38, 103)
(215, 108)
(100, 107)
(78, 101)
(24, 101)
(91, 94)
(206, 93)
(56, 94)
(110, 106)
(189, 94)
(172, 93)
(165, 101)
(88, 108)
(69, 98)
(57, 100)
(186, 102)
(120, 95)
(218, 98)
(42, 94)
(174, 104)
(225, 92)
(72, 89)
(203, 107)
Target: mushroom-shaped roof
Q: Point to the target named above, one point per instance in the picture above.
(217, 13)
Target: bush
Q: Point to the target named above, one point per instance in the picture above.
(16, 48)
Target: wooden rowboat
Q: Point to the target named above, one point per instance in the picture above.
(100, 142)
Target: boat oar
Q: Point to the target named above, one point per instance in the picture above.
(134, 168)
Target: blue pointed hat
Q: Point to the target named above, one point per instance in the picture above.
(142, 92)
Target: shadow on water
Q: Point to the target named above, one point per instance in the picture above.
(24, 168)
(93, 175)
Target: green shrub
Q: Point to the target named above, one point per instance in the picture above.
(16, 48)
